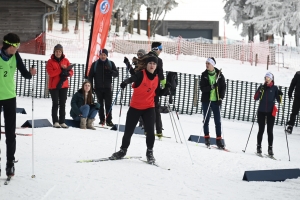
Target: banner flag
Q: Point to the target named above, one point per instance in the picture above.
(99, 31)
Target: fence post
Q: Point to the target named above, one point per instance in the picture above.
(268, 62)
(195, 95)
(256, 59)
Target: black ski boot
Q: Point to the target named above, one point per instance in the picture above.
(207, 141)
(10, 168)
(118, 155)
(270, 151)
(289, 129)
(219, 143)
(258, 149)
(150, 157)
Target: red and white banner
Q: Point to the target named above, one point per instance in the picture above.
(99, 31)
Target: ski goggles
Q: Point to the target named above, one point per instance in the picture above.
(157, 48)
(17, 45)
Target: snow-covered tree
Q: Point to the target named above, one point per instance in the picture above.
(159, 9)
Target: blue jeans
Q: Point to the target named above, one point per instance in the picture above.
(87, 112)
(217, 117)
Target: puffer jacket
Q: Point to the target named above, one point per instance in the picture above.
(54, 70)
(78, 101)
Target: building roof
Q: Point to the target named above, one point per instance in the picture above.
(50, 3)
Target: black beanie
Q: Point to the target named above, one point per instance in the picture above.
(155, 44)
(11, 38)
(152, 59)
(58, 47)
(103, 51)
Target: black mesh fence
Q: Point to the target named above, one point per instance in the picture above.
(238, 103)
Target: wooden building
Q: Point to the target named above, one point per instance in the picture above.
(23, 17)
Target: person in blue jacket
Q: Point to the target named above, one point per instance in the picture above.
(83, 108)
(267, 94)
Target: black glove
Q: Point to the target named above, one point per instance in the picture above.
(168, 85)
(263, 87)
(64, 73)
(214, 86)
(220, 102)
(126, 61)
(123, 85)
(280, 93)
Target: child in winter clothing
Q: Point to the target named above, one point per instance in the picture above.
(57, 69)
(83, 108)
(213, 87)
(145, 87)
(267, 94)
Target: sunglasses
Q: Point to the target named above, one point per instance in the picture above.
(17, 45)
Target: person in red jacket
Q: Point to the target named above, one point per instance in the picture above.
(145, 88)
(58, 71)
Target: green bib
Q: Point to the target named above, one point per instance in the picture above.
(7, 78)
(212, 80)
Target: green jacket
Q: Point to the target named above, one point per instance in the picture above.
(78, 101)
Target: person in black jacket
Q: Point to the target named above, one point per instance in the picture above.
(10, 62)
(156, 49)
(213, 87)
(267, 94)
(295, 85)
(100, 76)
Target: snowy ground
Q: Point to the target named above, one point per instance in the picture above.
(214, 174)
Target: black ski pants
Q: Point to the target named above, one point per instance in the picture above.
(262, 118)
(104, 94)
(59, 98)
(132, 119)
(9, 110)
(295, 111)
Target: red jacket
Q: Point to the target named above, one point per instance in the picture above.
(54, 69)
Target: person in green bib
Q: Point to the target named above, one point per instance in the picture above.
(10, 62)
(213, 88)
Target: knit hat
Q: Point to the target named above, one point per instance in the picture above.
(103, 51)
(141, 51)
(10, 38)
(156, 46)
(270, 75)
(152, 59)
(58, 47)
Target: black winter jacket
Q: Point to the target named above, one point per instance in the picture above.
(295, 84)
(205, 87)
(102, 76)
(267, 96)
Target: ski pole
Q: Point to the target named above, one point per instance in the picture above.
(183, 136)
(119, 119)
(172, 124)
(250, 131)
(208, 110)
(113, 103)
(32, 129)
(287, 143)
